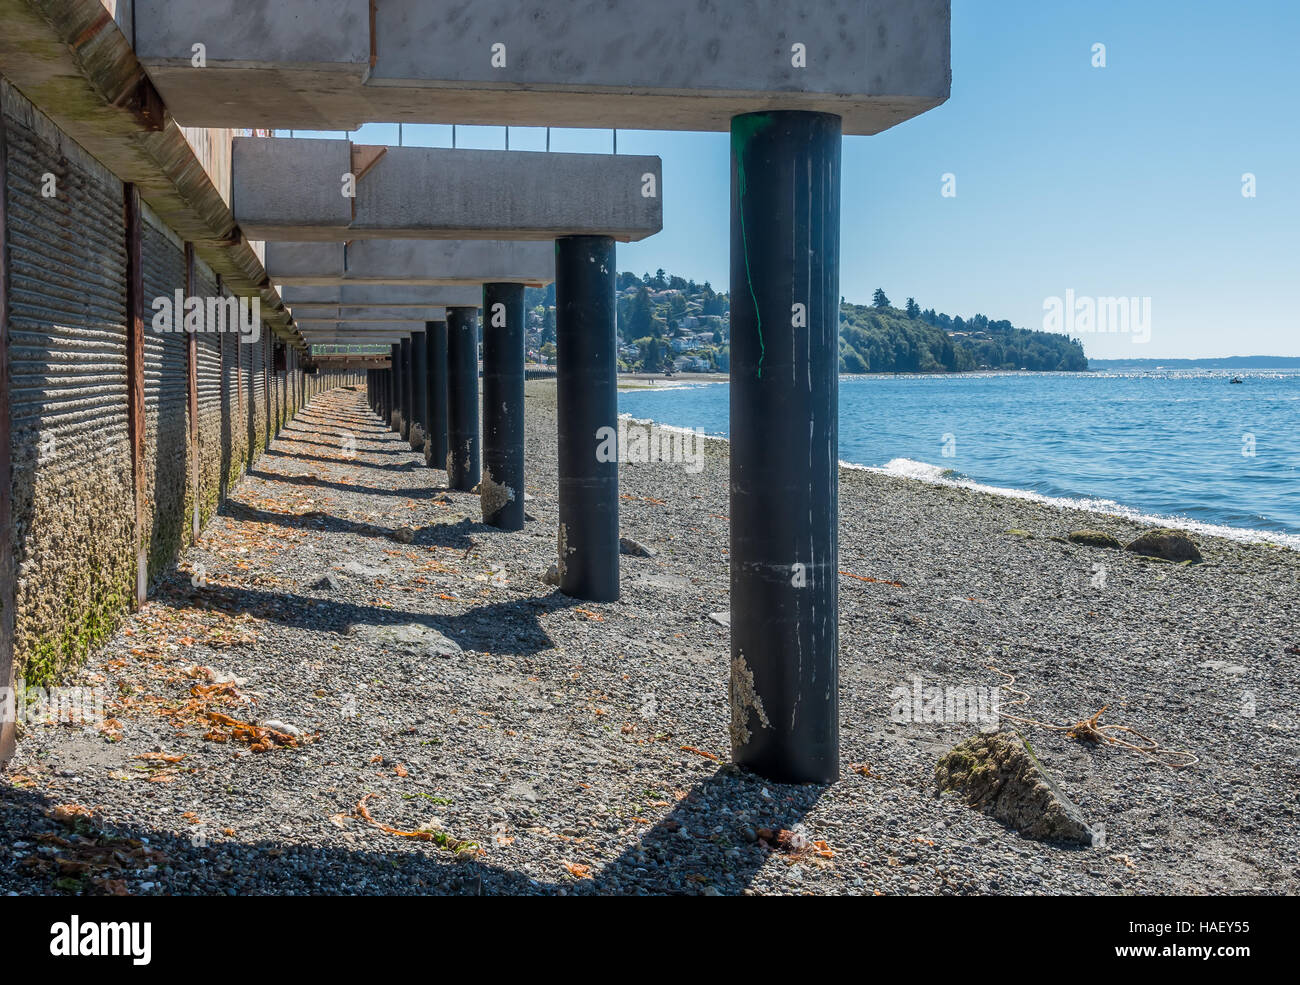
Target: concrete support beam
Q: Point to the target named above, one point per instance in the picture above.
(292, 189)
(419, 391)
(462, 399)
(670, 65)
(404, 369)
(429, 263)
(385, 295)
(435, 448)
(317, 313)
(502, 489)
(784, 458)
(587, 411)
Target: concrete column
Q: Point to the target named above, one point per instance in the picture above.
(462, 398)
(407, 415)
(502, 488)
(419, 390)
(435, 442)
(785, 214)
(395, 415)
(587, 411)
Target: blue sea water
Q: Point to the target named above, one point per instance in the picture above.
(1189, 447)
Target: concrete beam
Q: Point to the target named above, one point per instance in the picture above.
(386, 339)
(294, 189)
(384, 295)
(430, 263)
(315, 315)
(669, 65)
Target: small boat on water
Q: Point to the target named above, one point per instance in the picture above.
(1236, 379)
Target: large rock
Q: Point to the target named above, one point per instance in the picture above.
(413, 637)
(998, 775)
(1094, 538)
(1169, 545)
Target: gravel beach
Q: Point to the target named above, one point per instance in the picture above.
(416, 711)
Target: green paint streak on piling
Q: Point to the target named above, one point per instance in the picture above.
(743, 130)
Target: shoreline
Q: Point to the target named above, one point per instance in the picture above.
(1096, 506)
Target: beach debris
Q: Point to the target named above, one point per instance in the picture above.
(1091, 730)
(1094, 538)
(258, 738)
(432, 833)
(1166, 544)
(633, 548)
(873, 581)
(998, 775)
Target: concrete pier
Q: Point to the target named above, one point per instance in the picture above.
(587, 407)
(408, 394)
(435, 447)
(784, 456)
(419, 391)
(502, 488)
(462, 399)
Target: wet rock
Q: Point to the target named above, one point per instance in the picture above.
(1000, 776)
(1094, 538)
(1166, 544)
(632, 548)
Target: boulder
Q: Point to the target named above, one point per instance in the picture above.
(1094, 538)
(626, 545)
(412, 637)
(1000, 776)
(1166, 544)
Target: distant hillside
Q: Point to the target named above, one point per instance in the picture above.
(1225, 362)
(883, 339)
(668, 321)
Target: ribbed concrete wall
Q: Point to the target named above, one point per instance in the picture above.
(166, 402)
(73, 503)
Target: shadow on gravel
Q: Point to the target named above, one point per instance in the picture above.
(84, 856)
(454, 536)
(408, 492)
(502, 627)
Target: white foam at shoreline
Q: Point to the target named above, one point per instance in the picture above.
(906, 468)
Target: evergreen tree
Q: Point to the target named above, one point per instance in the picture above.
(879, 300)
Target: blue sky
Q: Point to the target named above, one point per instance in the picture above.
(1116, 181)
